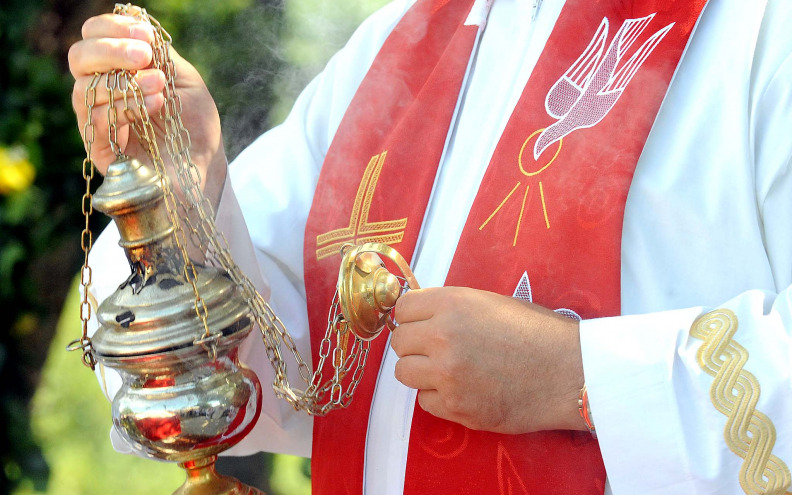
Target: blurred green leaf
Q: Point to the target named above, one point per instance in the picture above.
(23, 205)
(12, 253)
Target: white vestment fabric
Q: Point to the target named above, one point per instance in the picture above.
(708, 224)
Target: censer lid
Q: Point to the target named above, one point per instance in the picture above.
(161, 316)
(127, 185)
(132, 195)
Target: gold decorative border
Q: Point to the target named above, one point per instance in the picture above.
(749, 433)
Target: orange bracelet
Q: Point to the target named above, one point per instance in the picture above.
(585, 410)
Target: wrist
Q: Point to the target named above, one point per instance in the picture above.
(569, 380)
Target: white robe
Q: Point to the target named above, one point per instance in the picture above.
(707, 225)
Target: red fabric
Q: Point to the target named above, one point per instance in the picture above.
(406, 101)
(404, 107)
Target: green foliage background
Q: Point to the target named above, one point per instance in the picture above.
(255, 56)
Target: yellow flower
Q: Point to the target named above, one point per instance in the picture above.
(16, 172)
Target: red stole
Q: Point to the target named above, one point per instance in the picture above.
(550, 204)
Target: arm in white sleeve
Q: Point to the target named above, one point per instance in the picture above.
(683, 410)
(264, 210)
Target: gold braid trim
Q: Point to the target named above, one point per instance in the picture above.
(735, 392)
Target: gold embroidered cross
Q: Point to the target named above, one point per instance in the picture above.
(360, 230)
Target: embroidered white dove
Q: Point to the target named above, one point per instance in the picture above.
(581, 98)
(592, 86)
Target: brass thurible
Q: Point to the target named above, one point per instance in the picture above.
(178, 402)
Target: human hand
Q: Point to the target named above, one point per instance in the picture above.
(489, 362)
(121, 42)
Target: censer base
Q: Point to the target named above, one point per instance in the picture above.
(202, 479)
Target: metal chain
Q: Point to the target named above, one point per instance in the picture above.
(86, 238)
(144, 129)
(199, 219)
(193, 219)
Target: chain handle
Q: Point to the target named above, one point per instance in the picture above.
(193, 220)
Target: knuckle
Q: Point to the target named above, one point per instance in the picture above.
(77, 92)
(110, 48)
(440, 336)
(450, 373)
(88, 27)
(131, 31)
(444, 303)
(396, 343)
(403, 303)
(113, 50)
(455, 297)
(428, 405)
(443, 379)
(72, 57)
(455, 366)
(399, 372)
(91, 26)
(454, 404)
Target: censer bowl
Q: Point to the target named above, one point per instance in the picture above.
(184, 396)
(191, 410)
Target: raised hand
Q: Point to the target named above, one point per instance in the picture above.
(121, 42)
(489, 362)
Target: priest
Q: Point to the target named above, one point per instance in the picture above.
(596, 195)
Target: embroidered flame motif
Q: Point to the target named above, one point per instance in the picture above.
(581, 98)
(360, 230)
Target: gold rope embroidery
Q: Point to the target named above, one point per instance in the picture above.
(735, 392)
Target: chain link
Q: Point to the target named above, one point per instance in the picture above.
(193, 220)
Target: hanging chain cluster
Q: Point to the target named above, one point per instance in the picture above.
(193, 219)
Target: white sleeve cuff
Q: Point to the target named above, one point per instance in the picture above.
(634, 368)
(654, 404)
